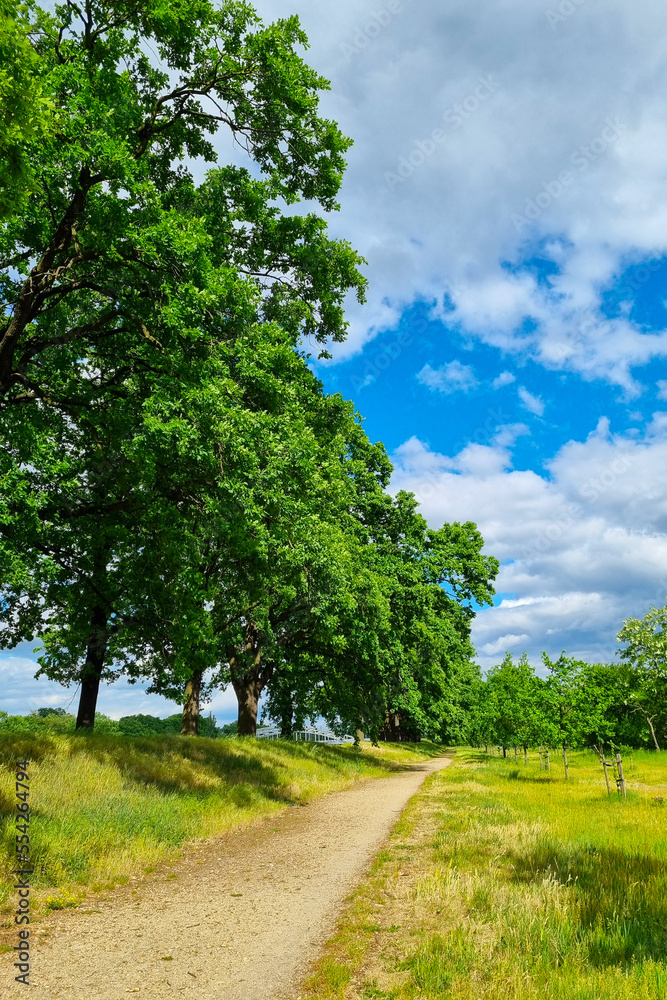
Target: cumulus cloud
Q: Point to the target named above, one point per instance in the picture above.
(567, 136)
(452, 377)
(582, 547)
(531, 403)
(504, 643)
(505, 378)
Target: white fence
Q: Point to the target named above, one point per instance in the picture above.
(310, 733)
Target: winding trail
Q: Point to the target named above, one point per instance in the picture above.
(242, 918)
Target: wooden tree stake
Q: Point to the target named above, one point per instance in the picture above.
(620, 781)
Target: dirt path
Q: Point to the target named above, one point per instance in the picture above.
(243, 916)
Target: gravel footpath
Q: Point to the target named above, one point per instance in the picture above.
(239, 918)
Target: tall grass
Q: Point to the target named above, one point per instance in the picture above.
(523, 886)
(106, 807)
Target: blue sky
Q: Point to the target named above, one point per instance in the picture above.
(508, 189)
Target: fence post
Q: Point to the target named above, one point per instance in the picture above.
(548, 762)
(605, 765)
(621, 780)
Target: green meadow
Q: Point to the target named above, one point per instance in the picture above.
(505, 882)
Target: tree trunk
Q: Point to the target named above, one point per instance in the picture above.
(286, 723)
(91, 671)
(567, 769)
(504, 752)
(247, 695)
(190, 723)
(650, 724)
(249, 683)
(525, 754)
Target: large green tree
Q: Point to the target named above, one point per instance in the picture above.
(124, 283)
(178, 495)
(118, 231)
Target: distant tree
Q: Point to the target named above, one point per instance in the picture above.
(606, 721)
(229, 729)
(510, 708)
(645, 656)
(578, 697)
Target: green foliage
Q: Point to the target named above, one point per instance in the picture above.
(151, 725)
(578, 696)
(511, 709)
(26, 108)
(50, 720)
(144, 342)
(578, 704)
(179, 499)
(644, 657)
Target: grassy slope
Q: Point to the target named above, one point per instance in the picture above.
(105, 807)
(504, 883)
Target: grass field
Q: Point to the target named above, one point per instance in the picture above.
(107, 807)
(503, 882)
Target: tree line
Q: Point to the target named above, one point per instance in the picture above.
(577, 703)
(180, 501)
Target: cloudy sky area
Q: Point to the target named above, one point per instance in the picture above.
(508, 188)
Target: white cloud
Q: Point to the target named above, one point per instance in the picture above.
(508, 433)
(581, 548)
(559, 103)
(504, 644)
(531, 403)
(505, 378)
(452, 377)
(662, 389)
